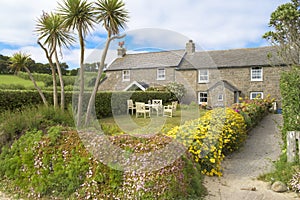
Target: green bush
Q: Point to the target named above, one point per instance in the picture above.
(53, 164)
(290, 91)
(14, 123)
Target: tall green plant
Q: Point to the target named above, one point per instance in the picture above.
(50, 29)
(78, 15)
(113, 16)
(290, 91)
(21, 60)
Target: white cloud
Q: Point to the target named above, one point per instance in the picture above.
(212, 24)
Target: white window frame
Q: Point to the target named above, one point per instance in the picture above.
(161, 74)
(256, 93)
(201, 97)
(222, 97)
(256, 74)
(126, 75)
(203, 76)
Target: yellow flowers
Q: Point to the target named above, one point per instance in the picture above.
(211, 137)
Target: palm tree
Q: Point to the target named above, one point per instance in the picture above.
(79, 15)
(20, 61)
(113, 16)
(55, 36)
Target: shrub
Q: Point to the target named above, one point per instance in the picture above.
(211, 137)
(294, 183)
(55, 165)
(253, 110)
(290, 91)
(14, 123)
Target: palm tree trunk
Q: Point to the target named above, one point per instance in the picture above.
(81, 78)
(100, 70)
(55, 99)
(36, 86)
(62, 87)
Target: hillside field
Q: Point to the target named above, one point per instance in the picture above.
(15, 80)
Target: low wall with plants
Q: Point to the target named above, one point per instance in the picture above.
(219, 132)
(107, 103)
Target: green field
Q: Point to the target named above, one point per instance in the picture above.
(15, 80)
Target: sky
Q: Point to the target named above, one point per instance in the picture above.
(153, 24)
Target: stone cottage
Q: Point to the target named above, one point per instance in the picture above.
(215, 78)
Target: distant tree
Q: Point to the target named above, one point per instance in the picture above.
(113, 17)
(78, 15)
(21, 61)
(4, 64)
(286, 34)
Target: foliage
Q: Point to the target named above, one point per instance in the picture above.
(54, 164)
(253, 110)
(294, 183)
(290, 91)
(15, 124)
(211, 137)
(286, 35)
(177, 90)
(283, 170)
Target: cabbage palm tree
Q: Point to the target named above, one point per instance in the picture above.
(78, 15)
(20, 61)
(113, 17)
(50, 29)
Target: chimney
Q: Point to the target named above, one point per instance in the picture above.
(121, 50)
(190, 47)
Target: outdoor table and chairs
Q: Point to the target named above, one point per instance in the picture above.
(154, 106)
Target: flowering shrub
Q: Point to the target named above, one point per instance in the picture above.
(253, 110)
(294, 183)
(211, 137)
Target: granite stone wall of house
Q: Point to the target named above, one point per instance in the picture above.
(240, 77)
(115, 81)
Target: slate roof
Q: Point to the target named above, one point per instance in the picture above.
(262, 56)
(226, 84)
(147, 60)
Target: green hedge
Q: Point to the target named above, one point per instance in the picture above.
(290, 91)
(107, 103)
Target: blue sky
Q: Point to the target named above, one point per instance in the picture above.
(164, 24)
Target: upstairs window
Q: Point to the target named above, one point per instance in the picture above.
(202, 96)
(256, 74)
(203, 76)
(256, 95)
(161, 74)
(126, 75)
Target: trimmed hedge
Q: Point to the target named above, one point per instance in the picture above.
(107, 103)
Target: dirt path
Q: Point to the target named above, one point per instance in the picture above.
(243, 167)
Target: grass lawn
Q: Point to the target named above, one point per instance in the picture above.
(155, 124)
(15, 80)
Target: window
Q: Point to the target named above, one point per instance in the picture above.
(220, 97)
(256, 74)
(161, 74)
(126, 75)
(254, 95)
(203, 76)
(202, 97)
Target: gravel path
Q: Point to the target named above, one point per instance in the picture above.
(242, 168)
